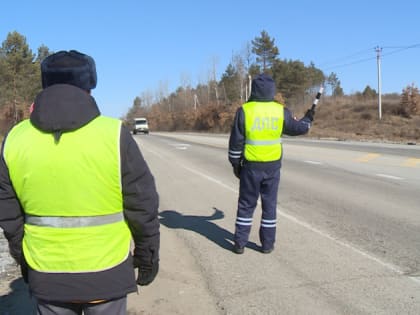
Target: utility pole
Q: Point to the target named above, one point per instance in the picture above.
(378, 61)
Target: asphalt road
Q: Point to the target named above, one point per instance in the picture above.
(347, 240)
(348, 230)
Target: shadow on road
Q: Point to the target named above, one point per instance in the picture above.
(201, 225)
(17, 301)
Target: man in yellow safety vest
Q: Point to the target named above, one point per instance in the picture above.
(74, 191)
(255, 152)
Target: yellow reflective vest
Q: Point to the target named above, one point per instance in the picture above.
(71, 194)
(263, 131)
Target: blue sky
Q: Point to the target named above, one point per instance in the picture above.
(139, 46)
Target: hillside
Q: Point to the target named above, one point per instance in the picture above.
(355, 119)
(345, 118)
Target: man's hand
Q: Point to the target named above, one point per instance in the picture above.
(146, 272)
(310, 113)
(237, 170)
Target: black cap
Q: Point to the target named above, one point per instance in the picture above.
(69, 67)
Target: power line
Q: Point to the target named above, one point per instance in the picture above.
(397, 50)
(403, 47)
(346, 57)
(400, 49)
(349, 63)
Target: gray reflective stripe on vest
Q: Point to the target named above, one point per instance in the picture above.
(71, 222)
(263, 142)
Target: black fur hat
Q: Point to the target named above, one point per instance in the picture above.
(69, 67)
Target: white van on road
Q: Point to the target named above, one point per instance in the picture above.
(140, 125)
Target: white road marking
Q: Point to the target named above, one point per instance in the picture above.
(181, 146)
(313, 162)
(389, 176)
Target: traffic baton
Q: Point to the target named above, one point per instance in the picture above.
(318, 96)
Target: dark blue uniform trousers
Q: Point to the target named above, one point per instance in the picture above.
(256, 182)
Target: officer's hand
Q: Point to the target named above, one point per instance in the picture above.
(147, 274)
(237, 170)
(310, 113)
(146, 271)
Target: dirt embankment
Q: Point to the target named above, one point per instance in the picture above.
(352, 119)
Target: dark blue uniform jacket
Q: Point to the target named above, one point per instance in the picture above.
(262, 91)
(291, 127)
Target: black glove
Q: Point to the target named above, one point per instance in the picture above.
(237, 170)
(146, 272)
(146, 275)
(310, 114)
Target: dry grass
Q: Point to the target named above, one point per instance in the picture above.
(344, 118)
(351, 118)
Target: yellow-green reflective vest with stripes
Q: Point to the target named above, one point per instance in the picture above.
(263, 131)
(71, 194)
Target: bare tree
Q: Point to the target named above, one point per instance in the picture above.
(163, 92)
(410, 101)
(212, 80)
(239, 65)
(185, 80)
(147, 98)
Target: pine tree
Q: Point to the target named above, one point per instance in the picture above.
(265, 50)
(20, 76)
(229, 84)
(369, 93)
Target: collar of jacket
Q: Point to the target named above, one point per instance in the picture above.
(61, 108)
(260, 99)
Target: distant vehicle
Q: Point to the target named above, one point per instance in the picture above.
(140, 125)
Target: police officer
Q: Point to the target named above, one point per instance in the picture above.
(74, 191)
(255, 152)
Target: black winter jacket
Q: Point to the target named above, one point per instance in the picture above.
(59, 109)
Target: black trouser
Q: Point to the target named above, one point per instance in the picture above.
(114, 307)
